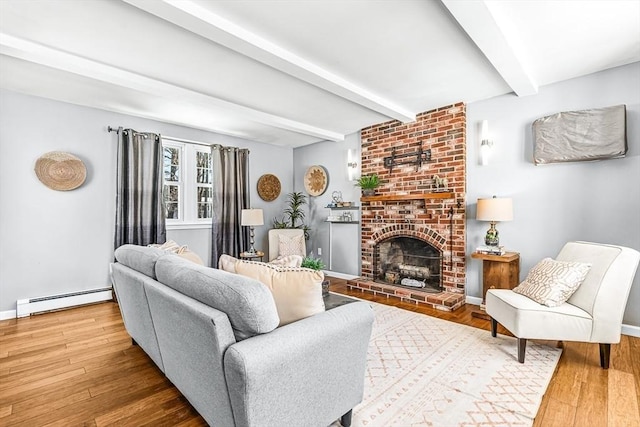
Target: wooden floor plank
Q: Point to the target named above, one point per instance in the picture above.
(622, 403)
(558, 414)
(122, 386)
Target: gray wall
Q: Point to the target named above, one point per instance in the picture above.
(54, 241)
(592, 201)
(345, 247)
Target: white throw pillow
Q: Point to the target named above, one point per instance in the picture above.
(180, 250)
(553, 282)
(290, 245)
(287, 261)
(296, 291)
(227, 263)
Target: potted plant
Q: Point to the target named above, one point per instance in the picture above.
(368, 183)
(293, 214)
(312, 263)
(316, 264)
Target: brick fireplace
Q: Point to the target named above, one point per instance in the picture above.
(410, 159)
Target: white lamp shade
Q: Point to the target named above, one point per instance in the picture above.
(495, 209)
(251, 217)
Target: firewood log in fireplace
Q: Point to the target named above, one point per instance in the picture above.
(415, 271)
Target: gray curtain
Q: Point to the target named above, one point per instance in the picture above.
(140, 216)
(230, 195)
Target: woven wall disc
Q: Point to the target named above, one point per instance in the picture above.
(268, 187)
(316, 180)
(60, 171)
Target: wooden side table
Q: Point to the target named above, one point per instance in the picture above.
(498, 272)
(250, 256)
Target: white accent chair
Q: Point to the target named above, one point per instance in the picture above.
(592, 314)
(274, 241)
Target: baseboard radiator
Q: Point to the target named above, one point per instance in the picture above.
(26, 307)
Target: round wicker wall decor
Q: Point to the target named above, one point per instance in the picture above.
(268, 187)
(316, 180)
(60, 171)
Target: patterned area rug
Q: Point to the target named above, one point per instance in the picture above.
(424, 371)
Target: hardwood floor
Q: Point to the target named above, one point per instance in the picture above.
(78, 368)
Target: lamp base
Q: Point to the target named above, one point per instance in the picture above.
(492, 238)
(252, 249)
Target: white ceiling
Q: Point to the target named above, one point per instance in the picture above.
(291, 72)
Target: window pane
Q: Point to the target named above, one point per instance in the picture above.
(171, 163)
(205, 204)
(172, 211)
(171, 198)
(204, 210)
(204, 176)
(203, 160)
(204, 194)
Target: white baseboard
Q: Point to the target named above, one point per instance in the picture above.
(339, 275)
(632, 331)
(9, 314)
(473, 300)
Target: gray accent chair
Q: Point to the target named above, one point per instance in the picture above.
(215, 336)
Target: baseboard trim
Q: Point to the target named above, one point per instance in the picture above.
(473, 300)
(632, 331)
(339, 275)
(9, 314)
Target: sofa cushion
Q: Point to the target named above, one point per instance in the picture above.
(140, 258)
(552, 282)
(248, 303)
(297, 291)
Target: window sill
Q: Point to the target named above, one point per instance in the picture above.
(188, 226)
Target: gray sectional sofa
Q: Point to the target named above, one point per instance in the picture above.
(215, 336)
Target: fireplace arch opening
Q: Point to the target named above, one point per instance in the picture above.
(409, 262)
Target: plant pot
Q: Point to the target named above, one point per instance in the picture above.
(368, 192)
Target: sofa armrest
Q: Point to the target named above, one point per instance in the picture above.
(309, 372)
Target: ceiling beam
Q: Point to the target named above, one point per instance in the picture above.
(202, 21)
(497, 41)
(57, 59)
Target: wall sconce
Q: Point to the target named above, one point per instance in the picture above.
(352, 164)
(486, 144)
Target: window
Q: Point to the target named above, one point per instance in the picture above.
(188, 184)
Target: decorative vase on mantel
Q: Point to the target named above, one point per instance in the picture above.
(368, 192)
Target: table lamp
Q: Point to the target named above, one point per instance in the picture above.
(494, 210)
(251, 218)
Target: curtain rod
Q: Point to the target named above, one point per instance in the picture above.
(171, 138)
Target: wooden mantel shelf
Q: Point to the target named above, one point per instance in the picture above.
(401, 197)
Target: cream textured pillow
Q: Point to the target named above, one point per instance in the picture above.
(296, 291)
(552, 282)
(290, 245)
